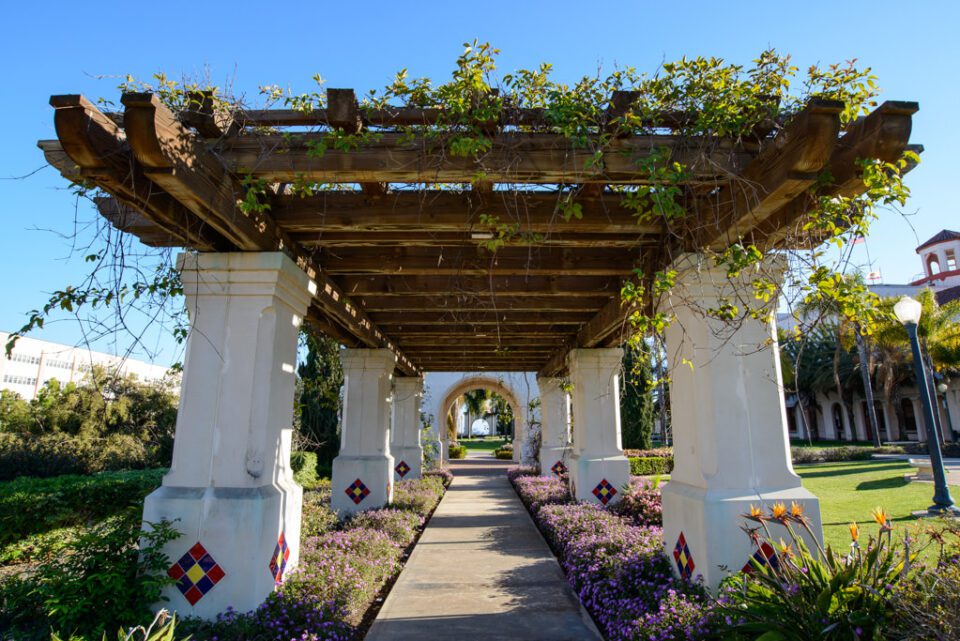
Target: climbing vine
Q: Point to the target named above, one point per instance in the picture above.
(709, 105)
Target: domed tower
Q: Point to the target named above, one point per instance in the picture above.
(941, 265)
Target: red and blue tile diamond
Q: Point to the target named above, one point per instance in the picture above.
(681, 554)
(196, 572)
(278, 563)
(559, 468)
(766, 554)
(357, 491)
(604, 491)
(402, 468)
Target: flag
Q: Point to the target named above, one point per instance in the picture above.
(858, 240)
(873, 276)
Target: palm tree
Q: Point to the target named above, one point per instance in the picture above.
(476, 402)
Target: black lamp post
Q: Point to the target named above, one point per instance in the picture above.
(908, 311)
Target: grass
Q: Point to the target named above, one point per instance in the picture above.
(849, 491)
(486, 443)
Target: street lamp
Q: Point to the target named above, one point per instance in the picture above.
(907, 311)
(942, 388)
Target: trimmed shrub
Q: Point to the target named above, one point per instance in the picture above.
(56, 454)
(537, 491)
(457, 451)
(650, 465)
(801, 455)
(658, 452)
(419, 495)
(304, 466)
(31, 505)
(641, 504)
(515, 472)
(503, 455)
(445, 476)
(400, 525)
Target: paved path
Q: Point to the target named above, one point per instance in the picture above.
(482, 571)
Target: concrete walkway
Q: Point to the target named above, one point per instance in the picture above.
(481, 570)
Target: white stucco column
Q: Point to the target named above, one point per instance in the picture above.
(230, 486)
(731, 449)
(363, 472)
(405, 433)
(554, 427)
(598, 469)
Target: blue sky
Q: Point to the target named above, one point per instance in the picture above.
(62, 47)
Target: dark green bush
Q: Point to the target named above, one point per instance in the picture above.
(109, 576)
(503, 454)
(55, 454)
(840, 454)
(304, 466)
(457, 451)
(650, 465)
(31, 505)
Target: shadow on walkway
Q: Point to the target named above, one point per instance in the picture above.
(481, 570)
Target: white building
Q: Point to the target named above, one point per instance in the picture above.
(33, 362)
(901, 420)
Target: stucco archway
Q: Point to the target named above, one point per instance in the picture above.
(516, 388)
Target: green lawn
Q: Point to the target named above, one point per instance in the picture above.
(487, 444)
(850, 491)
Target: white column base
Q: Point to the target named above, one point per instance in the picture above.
(409, 459)
(240, 530)
(554, 461)
(599, 480)
(375, 473)
(710, 521)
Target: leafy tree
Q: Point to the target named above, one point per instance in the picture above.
(637, 409)
(14, 413)
(504, 412)
(319, 400)
(476, 402)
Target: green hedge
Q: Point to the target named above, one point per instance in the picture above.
(56, 454)
(30, 505)
(457, 451)
(650, 465)
(504, 454)
(304, 466)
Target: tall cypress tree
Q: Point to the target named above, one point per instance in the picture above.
(637, 409)
(321, 379)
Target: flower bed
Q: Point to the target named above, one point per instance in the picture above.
(614, 561)
(342, 570)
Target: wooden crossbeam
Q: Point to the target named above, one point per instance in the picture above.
(787, 166)
(524, 285)
(436, 210)
(467, 261)
(513, 158)
(435, 316)
(472, 239)
(177, 161)
(466, 303)
(884, 134)
(97, 147)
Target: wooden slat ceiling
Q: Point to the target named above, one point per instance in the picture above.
(400, 241)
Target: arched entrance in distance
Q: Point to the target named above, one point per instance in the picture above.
(519, 388)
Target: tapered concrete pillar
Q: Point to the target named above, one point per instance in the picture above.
(405, 433)
(731, 448)
(598, 469)
(230, 488)
(363, 472)
(554, 427)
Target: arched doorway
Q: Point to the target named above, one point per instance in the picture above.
(516, 392)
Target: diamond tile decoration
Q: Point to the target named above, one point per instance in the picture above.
(604, 491)
(681, 554)
(559, 468)
(196, 573)
(278, 563)
(766, 554)
(402, 468)
(357, 491)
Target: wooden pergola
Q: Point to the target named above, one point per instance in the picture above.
(399, 244)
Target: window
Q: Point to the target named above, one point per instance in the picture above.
(933, 265)
(951, 260)
(23, 358)
(56, 363)
(19, 380)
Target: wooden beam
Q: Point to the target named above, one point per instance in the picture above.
(466, 303)
(189, 171)
(513, 158)
(490, 286)
(467, 261)
(97, 147)
(884, 134)
(332, 239)
(787, 166)
(512, 318)
(202, 114)
(437, 210)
